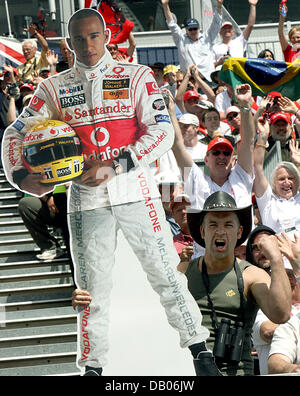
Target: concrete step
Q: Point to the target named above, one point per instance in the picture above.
(38, 340)
(39, 330)
(37, 326)
(34, 266)
(36, 360)
(63, 309)
(37, 293)
(33, 280)
(39, 350)
(61, 369)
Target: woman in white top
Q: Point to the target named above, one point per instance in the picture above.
(279, 201)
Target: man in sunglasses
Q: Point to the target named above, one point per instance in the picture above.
(193, 46)
(225, 172)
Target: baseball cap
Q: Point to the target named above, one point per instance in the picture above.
(157, 65)
(189, 118)
(6, 72)
(280, 116)
(170, 68)
(28, 86)
(226, 23)
(44, 69)
(191, 23)
(232, 109)
(275, 94)
(219, 141)
(214, 74)
(190, 94)
(178, 199)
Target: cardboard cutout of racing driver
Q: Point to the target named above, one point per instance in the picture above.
(113, 109)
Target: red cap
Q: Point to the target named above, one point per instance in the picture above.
(190, 94)
(29, 86)
(275, 94)
(280, 116)
(219, 141)
(6, 72)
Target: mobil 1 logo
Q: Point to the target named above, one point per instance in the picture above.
(69, 101)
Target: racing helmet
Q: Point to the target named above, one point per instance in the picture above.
(52, 148)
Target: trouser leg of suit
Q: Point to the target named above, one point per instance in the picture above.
(93, 236)
(36, 216)
(93, 242)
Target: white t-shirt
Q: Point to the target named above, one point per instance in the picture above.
(223, 101)
(236, 48)
(198, 151)
(282, 215)
(200, 186)
(286, 340)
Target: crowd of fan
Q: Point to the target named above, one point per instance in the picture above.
(204, 111)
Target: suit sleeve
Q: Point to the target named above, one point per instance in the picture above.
(156, 131)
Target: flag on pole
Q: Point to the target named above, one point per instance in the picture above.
(263, 75)
(119, 26)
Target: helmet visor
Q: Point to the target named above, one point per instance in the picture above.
(56, 149)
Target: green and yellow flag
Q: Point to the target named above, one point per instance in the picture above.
(263, 75)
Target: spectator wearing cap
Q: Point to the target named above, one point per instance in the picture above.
(190, 87)
(233, 117)
(189, 126)
(193, 46)
(123, 54)
(183, 241)
(25, 90)
(29, 47)
(219, 227)
(230, 46)
(169, 75)
(281, 130)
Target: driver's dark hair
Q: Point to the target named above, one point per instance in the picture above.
(85, 13)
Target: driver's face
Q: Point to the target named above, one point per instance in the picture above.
(88, 40)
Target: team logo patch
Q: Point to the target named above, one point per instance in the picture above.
(123, 94)
(36, 103)
(64, 171)
(158, 104)
(18, 125)
(162, 118)
(26, 114)
(116, 84)
(152, 88)
(70, 101)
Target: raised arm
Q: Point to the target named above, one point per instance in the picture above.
(273, 295)
(282, 38)
(35, 34)
(243, 94)
(183, 157)
(132, 45)
(251, 19)
(167, 11)
(260, 182)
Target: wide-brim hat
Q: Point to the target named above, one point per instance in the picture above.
(219, 201)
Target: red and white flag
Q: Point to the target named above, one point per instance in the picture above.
(119, 26)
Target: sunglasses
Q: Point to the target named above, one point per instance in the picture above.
(110, 48)
(232, 116)
(255, 247)
(192, 29)
(216, 153)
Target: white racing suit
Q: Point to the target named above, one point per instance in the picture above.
(112, 106)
